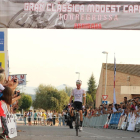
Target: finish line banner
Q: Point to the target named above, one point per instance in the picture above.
(67, 14)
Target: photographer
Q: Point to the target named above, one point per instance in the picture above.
(15, 99)
(72, 118)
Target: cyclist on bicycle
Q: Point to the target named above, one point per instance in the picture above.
(79, 94)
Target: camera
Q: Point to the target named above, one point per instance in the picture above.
(15, 80)
(18, 93)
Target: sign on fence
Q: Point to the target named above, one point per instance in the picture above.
(21, 78)
(70, 14)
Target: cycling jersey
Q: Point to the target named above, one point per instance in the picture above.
(78, 94)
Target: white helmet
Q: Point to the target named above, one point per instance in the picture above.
(78, 82)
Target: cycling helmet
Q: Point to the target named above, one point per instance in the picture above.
(78, 82)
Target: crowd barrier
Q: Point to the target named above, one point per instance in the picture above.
(103, 121)
(98, 121)
(114, 120)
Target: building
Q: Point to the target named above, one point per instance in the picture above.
(127, 82)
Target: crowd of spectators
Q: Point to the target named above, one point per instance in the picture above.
(8, 98)
(45, 118)
(128, 108)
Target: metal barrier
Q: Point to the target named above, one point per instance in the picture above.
(98, 121)
(114, 120)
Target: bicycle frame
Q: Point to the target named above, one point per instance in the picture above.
(77, 121)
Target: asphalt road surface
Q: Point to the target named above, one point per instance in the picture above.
(64, 133)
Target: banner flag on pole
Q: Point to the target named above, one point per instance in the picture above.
(114, 96)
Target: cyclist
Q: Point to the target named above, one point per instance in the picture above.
(79, 94)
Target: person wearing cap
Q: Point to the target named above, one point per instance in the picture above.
(79, 94)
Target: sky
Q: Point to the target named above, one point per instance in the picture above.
(52, 57)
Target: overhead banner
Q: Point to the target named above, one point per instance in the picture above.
(67, 14)
(21, 78)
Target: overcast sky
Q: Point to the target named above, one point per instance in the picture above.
(53, 56)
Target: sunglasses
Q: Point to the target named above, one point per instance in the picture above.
(78, 83)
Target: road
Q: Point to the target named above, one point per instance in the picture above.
(64, 133)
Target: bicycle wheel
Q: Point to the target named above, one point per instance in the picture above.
(22, 19)
(77, 123)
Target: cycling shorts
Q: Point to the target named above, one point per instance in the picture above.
(77, 105)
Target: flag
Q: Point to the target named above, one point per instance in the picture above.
(114, 96)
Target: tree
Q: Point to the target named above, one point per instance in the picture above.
(68, 90)
(25, 102)
(92, 88)
(89, 100)
(49, 98)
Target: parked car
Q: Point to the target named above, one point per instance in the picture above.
(19, 117)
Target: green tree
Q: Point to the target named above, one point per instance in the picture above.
(49, 98)
(92, 88)
(25, 102)
(68, 90)
(89, 100)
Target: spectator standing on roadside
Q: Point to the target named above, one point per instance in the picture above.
(63, 118)
(29, 118)
(125, 100)
(39, 117)
(44, 118)
(35, 117)
(60, 118)
(25, 117)
(50, 116)
(48, 119)
(54, 117)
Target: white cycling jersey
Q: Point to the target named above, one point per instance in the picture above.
(78, 94)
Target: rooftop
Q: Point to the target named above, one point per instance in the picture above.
(124, 68)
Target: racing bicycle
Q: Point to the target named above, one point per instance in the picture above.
(77, 120)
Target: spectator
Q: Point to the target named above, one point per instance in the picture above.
(2, 77)
(54, 116)
(29, 114)
(5, 100)
(60, 118)
(48, 120)
(39, 117)
(85, 112)
(50, 117)
(125, 100)
(132, 122)
(25, 116)
(35, 117)
(63, 118)
(44, 118)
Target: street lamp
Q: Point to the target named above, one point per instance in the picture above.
(106, 70)
(79, 75)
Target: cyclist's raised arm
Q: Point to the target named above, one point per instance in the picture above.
(84, 97)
